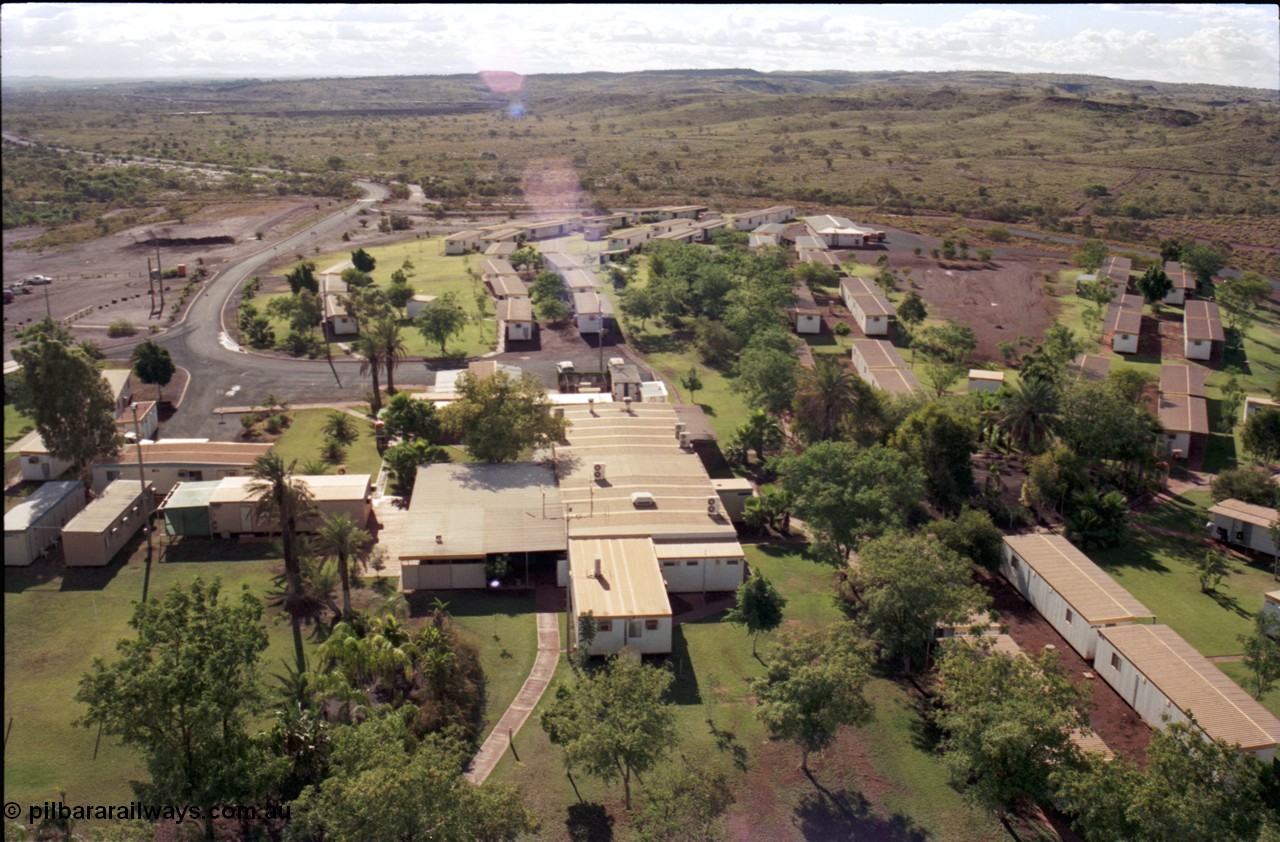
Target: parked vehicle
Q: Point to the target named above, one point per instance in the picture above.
(38, 280)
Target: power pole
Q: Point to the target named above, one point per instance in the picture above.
(159, 274)
(151, 287)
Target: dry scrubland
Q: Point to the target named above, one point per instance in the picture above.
(998, 146)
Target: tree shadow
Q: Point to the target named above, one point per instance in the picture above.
(727, 742)
(846, 814)
(1229, 603)
(684, 689)
(589, 822)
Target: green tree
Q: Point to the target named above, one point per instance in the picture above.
(941, 443)
(71, 404)
(387, 332)
(614, 723)
(386, 786)
(973, 535)
(1212, 568)
(640, 302)
(845, 493)
(683, 804)
(1099, 423)
(905, 586)
(183, 693)
(1203, 261)
(403, 460)
(1240, 299)
(303, 311)
(500, 417)
(441, 319)
(355, 279)
(411, 419)
(153, 365)
(758, 607)
(282, 500)
(1048, 360)
(691, 382)
(827, 397)
(368, 348)
(912, 311)
(1262, 652)
(761, 432)
(1129, 382)
(1091, 255)
(1097, 521)
(546, 286)
(341, 538)
(1250, 485)
(767, 375)
(1190, 788)
(1260, 437)
(1052, 477)
(399, 294)
(813, 687)
(552, 311)
(1154, 285)
(1007, 722)
(340, 427)
(1029, 414)
(363, 261)
(1099, 294)
(303, 277)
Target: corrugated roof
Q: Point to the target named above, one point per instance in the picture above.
(1202, 321)
(190, 453)
(1182, 279)
(896, 381)
(854, 285)
(878, 353)
(30, 443)
(1084, 585)
(117, 379)
(323, 487)
(1118, 269)
(116, 498)
(1091, 367)
(581, 279)
(38, 504)
(497, 266)
(1184, 414)
(462, 236)
(1125, 315)
(1183, 380)
(984, 374)
(558, 261)
(478, 509)
(697, 548)
(503, 249)
(508, 286)
(871, 305)
(1245, 512)
(591, 304)
(514, 310)
(1192, 683)
(630, 583)
(190, 495)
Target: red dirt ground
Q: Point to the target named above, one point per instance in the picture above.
(1111, 718)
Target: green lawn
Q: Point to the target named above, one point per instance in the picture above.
(16, 425)
(57, 621)
(304, 438)
(1241, 675)
(504, 630)
(885, 762)
(1160, 571)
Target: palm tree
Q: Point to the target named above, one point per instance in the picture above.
(826, 396)
(283, 499)
(369, 348)
(339, 537)
(394, 349)
(340, 427)
(1029, 414)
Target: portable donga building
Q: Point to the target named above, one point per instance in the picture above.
(232, 505)
(1075, 595)
(186, 508)
(1245, 524)
(35, 524)
(94, 536)
(1163, 678)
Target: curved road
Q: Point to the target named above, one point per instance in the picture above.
(199, 344)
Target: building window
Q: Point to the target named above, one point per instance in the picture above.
(732, 561)
(692, 563)
(651, 625)
(1071, 617)
(604, 625)
(33, 460)
(668, 564)
(635, 628)
(1115, 661)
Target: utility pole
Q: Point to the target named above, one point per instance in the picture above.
(142, 478)
(47, 311)
(151, 287)
(159, 274)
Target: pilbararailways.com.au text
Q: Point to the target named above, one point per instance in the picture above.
(135, 810)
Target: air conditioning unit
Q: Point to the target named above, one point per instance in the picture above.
(713, 505)
(643, 499)
(597, 471)
(686, 440)
(680, 428)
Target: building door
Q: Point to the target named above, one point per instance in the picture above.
(635, 630)
(246, 518)
(44, 470)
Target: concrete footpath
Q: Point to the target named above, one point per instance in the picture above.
(544, 667)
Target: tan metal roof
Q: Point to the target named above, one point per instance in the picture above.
(1245, 512)
(558, 261)
(630, 583)
(1184, 414)
(1188, 679)
(514, 310)
(878, 353)
(1203, 321)
(503, 249)
(1091, 367)
(896, 381)
(190, 453)
(1273, 596)
(1084, 585)
(697, 548)
(581, 279)
(1182, 279)
(508, 286)
(1183, 380)
(1118, 269)
(871, 305)
(323, 487)
(640, 452)
(854, 285)
(115, 500)
(497, 266)
(117, 379)
(30, 443)
(39, 502)
(1125, 315)
(984, 374)
(592, 304)
(479, 509)
(463, 236)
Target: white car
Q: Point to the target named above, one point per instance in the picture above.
(38, 280)
(564, 366)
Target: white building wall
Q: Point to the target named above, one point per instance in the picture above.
(42, 467)
(589, 324)
(1178, 441)
(1199, 349)
(1243, 534)
(1124, 343)
(519, 330)
(421, 576)
(622, 631)
(1082, 637)
(871, 325)
(697, 575)
(806, 323)
(23, 548)
(163, 477)
(1134, 687)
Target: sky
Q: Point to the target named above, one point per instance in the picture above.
(1228, 44)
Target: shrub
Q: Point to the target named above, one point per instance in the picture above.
(843, 329)
(333, 451)
(248, 421)
(123, 327)
(1250, 485)
(273, 424)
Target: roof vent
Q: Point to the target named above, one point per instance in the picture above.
(599, 568)
(439, 539)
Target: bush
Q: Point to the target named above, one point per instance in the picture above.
(333, 451)
(120, 328)
(273, 424)
(843, 329)
(298, 344)
(1250, 485)
(247, 422)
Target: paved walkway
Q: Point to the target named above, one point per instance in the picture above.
(544, 666)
